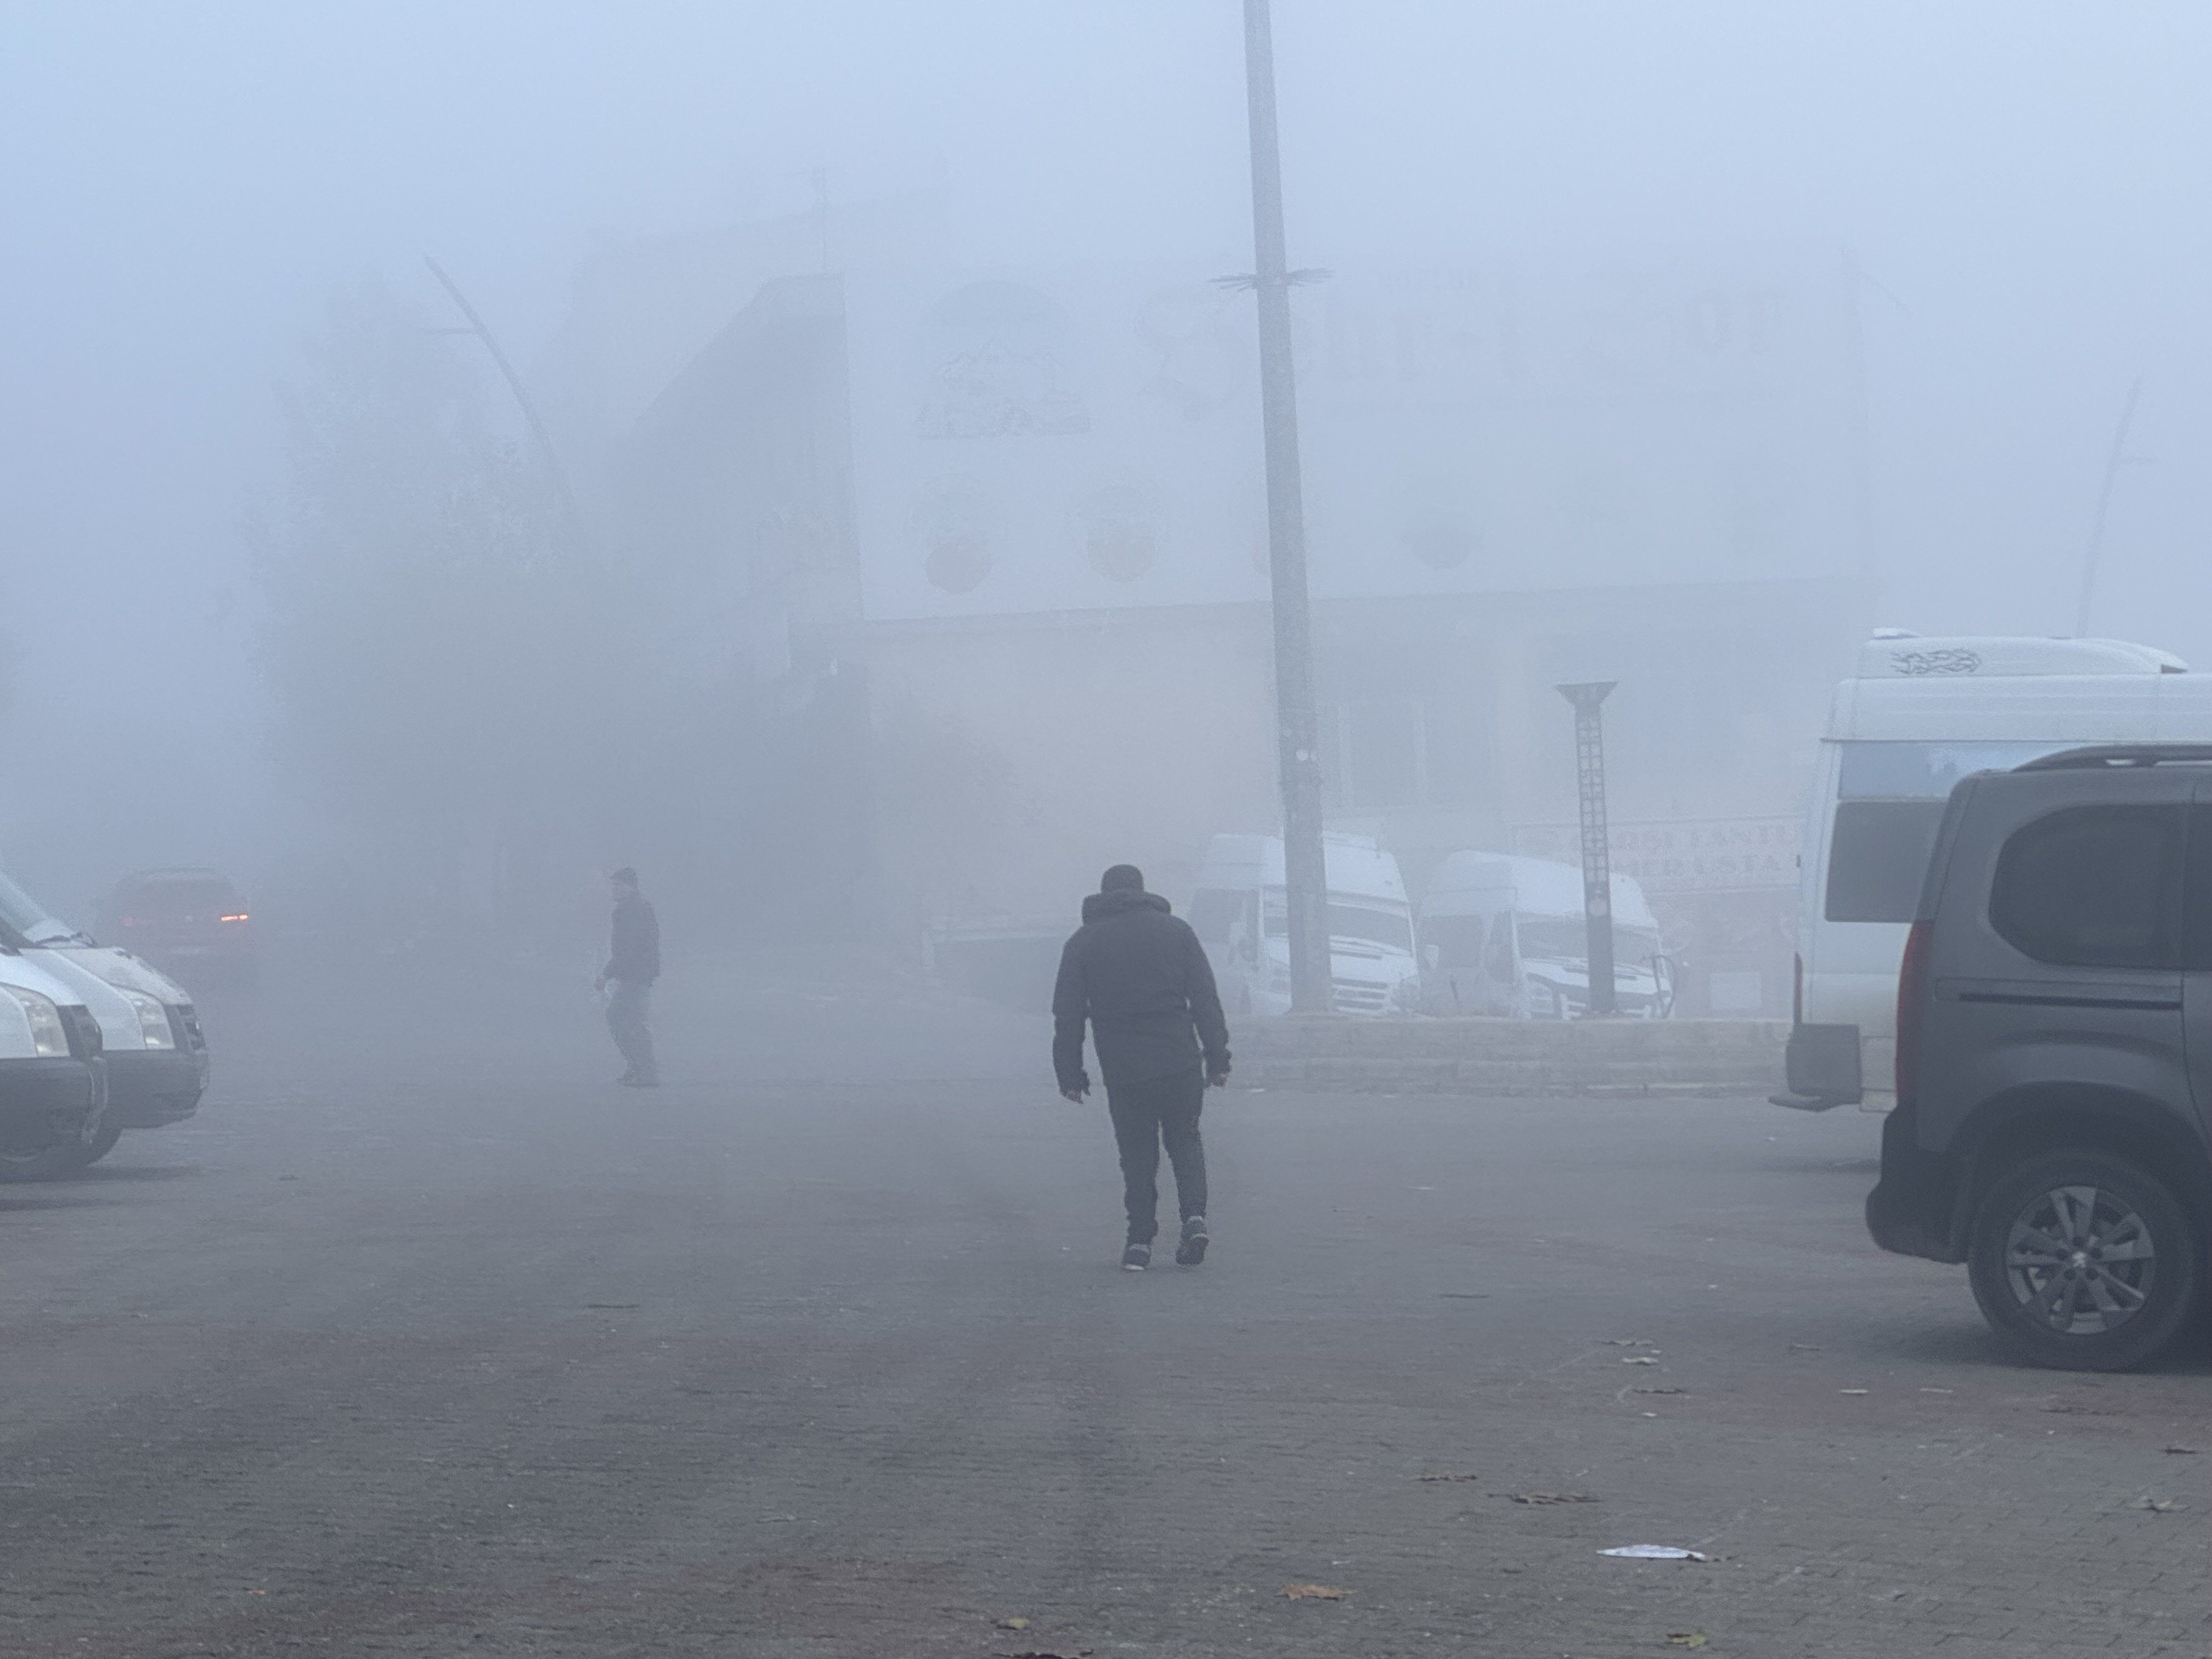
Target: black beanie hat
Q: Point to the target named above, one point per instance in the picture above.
(627, 876)
(1122, 879)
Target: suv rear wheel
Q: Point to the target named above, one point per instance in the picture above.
(2084, 1261)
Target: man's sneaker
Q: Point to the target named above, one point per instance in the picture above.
(1191, 1250)
(1137, 1257)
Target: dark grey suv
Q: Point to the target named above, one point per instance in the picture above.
(2054, 1054)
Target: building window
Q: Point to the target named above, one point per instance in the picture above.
(1390, 752)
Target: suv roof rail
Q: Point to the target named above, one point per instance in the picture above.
(2119, 754)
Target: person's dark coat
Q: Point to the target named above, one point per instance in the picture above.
(635, 958)
(1138, 974)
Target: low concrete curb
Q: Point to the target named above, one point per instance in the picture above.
(1514, 1057)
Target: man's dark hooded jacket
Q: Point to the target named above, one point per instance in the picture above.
(635, 958)
(1139, 976)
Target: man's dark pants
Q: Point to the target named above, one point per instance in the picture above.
(628, 1007)
(1146, 1116)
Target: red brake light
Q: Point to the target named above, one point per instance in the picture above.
(1912, 985)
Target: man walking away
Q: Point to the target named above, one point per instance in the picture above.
(1139, 976)
(632, 966)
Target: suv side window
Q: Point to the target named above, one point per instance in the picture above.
(2196, 897)
(2094, 887)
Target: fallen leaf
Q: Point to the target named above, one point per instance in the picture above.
(1027, 1653)
(1551, 1497)
(1656, 1553)
(1626, 1342)
(1639, 1359)
(1447, 1477)
(2158, 1505)
(1854, 1390)
(1686, 1638)
(1938, 1391)
(2181, 1451)
(1658, 1391)
(1314, 1592)
(1018, 1621)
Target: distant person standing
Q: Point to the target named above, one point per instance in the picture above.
(633, 964)
(1138, 975)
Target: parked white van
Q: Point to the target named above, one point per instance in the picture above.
(1242, 916)
(1921, 715)
(156, 1060)
(52, 1082)
(1507, 936)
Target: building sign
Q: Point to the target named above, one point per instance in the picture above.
(1683, 855)
(1582, 423)
(1077, 441)
(1090, 439)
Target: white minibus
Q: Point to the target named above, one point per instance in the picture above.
(1241, 917)
(1507, 937)
(1921, 714)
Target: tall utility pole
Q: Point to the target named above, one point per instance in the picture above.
(1305, 871)
(1589, 699)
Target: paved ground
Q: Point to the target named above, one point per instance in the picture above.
(423, 1340)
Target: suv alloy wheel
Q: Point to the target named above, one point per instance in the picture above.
(2083, 1261)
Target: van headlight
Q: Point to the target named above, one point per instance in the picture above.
(49, 1037)
(153, 1028)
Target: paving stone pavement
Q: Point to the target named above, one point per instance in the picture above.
(449, 1347)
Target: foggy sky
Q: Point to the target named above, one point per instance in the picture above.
(184, 183)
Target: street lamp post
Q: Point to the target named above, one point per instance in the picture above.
(1305, 872)
(476, 326)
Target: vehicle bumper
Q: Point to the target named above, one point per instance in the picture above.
(1820, 1064)
(149, 1087)
(1910, 1209)
(49, 1102)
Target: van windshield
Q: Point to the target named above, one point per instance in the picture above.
(29, 917)
(1349, 919)
(1567, 939)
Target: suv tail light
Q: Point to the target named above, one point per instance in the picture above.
(1912, 983)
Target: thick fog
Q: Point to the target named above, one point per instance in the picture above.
(190, 190)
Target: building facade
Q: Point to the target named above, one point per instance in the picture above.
(986, 549)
